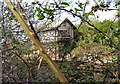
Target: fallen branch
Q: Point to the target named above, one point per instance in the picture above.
(40, 62)
(108, 69)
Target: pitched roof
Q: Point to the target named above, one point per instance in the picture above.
(56, 28)
(50, 29)
(67, 20)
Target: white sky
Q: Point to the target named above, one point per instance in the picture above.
(109, 15)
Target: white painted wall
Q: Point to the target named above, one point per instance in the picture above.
(49, 36)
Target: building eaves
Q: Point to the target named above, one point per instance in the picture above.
(56, 28)
(50, 29)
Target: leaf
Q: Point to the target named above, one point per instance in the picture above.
(41, 16)
(75, 9)
(91, 13)
(85, 16)
(38, 9)
(65, 3)
(45, 9)
(33, 3)
(117, 34)
(61, 7)
(102, 36)
(52, 4)
(52, 11)
(96, 39)
(78, 9)
(80, 5)
(71, 9)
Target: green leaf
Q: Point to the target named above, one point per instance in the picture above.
(61, 7)
(33, 3)
(85, 16)
(52, 4)
(117, 34)
(71, 9)
(41, 16)
(50, 12)
(38, 9)
(78, 9)
(75, 9)
(45, 9)
(96, 39)
(65, 3)
(91, 13)
(102, 36)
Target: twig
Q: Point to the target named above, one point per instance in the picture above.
(103, 33)
(31, 77)
(74, 14)
(108, 69)
(40, 62)
(83, 14)
(102, 7)
(110, 26)
(18, 55)
(26, 65)
(28, 20)
(105, 77)
(27, 77)
(22, 59)
(88, 26)
(23, 23)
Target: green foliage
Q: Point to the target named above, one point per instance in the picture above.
(65, 3)
(91, 13)
(33, 3)
(92, 43)
(53, 8)
(40, 16)
(86, 43)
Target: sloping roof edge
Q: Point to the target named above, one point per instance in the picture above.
(55, 28)
(49, 29)
(67, 20)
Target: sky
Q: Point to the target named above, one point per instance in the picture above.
(109, 15)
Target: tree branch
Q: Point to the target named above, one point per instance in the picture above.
(83, 14)
(103, 33)
(108, 69)
(28, 20)
(102, 7)
(36, 42)
(90, 25)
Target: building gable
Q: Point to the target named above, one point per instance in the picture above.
(62, 31)
(65, 23)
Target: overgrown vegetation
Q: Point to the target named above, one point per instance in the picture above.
(95, 57)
